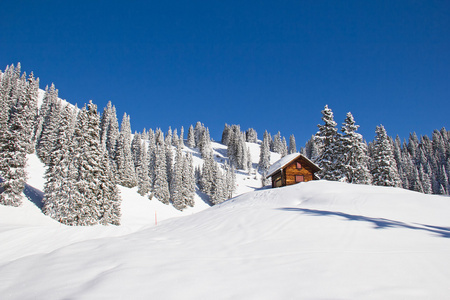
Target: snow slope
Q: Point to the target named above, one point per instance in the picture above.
(314, 240)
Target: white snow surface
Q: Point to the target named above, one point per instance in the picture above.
(314, 240)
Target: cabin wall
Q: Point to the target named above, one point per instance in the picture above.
(291, 171)
(287, 176)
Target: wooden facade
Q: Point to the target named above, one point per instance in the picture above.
(299, 169)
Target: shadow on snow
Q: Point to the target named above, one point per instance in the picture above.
(379, 223)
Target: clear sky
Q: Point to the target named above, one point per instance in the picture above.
(263, 64)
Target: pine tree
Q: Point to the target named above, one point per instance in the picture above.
(136, 144)
(188, 179)
(353, 162)
(277, 143)
(292, 145)
(125, 166)
(249, 162)
(327, 138)
(384, 168)
(160, 185)
(181, 139)
(46, 139)
(176, 186)
(60, 191)
(284, 149)
(264, 158)
(98, 200)
(226, 134)
(151, 155)
(15, 140)
(142, 173)
(251, 135)
(175, 140)
(191, 137)
(169, 156)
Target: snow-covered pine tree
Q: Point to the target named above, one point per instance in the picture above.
(112, 138)
(15, 140)
(284, 148)
(104, 123)
(191, 137)
(204, 143)
(31, 111)
(175, 138)
(176, 185)
(198, 132)
(99, 201)
(264, 155)
(125, 166)
(46, 139)
(207, 174)
(226, 134)
(181, 139)
(249, 162)
(251, 135)
(327, 137)
(136, 144)
(353, 161)
(188, 179)
(292, 145)
(230, 181)
(218, 191)
(61, 194)
(384, 169)
(277, 143)
(169, 156)
(144, 183)
(160, 185)
(151, 155)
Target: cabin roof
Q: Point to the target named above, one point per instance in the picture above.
(284, 161)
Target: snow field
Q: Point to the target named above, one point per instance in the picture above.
(313, 240)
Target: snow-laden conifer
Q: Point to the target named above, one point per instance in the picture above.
(264, 158)
(160, 185)
(191, 137)
(188, 179)
(125, 166)
(251, 135)
(142, 172)
(46, 139)
(99, 200)
(15, 138)
(292, 145)
(327, 138)
(353, 161)
(61, 195)
(384, 169)
(176, 185)
(181, 139)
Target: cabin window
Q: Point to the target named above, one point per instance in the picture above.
(299, 165)
(299, 178)
(278, 182)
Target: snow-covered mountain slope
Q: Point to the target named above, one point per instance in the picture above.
(314, 240)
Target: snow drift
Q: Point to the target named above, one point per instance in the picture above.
(313, 240)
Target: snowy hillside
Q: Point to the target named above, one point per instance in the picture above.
(313, 240)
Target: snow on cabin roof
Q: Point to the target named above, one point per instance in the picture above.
(281, 163)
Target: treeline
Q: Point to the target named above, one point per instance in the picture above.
(420, 165)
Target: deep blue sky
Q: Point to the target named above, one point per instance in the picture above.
(264, 64)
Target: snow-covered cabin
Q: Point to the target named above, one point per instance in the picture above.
(292, 169)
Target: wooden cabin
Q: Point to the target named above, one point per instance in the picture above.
(292, 169)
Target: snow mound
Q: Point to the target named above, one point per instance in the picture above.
(314, 240)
